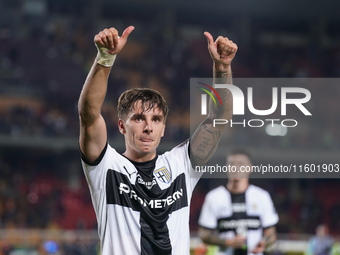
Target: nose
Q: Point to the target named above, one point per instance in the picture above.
(148, 127)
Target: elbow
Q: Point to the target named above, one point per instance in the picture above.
(82, 108)
(82, 113)
(204, 239)
(85, 117)
(82, 118)
(203, 235)
(87, 114)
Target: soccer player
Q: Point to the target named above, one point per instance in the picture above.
(142, 199)
(238, 217)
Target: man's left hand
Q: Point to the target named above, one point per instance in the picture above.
(222, 51)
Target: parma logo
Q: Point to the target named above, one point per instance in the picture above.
(163, 174)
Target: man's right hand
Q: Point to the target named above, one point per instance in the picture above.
(109, 40)
(236, 242)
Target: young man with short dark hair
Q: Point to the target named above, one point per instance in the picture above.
(142, 199)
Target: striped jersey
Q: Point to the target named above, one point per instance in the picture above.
(229, 213)
(142, 208)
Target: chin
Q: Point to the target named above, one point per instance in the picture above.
(147, 149)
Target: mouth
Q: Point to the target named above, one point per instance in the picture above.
(146, 140)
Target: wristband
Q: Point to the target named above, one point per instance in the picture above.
(103, 58)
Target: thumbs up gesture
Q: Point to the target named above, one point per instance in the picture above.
(108, 39)
(222, 51)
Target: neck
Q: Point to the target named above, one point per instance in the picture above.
(238, 185)
(139, 157)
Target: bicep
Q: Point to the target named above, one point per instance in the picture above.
(93, 138)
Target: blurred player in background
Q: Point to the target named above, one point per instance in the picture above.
(142, 199)
(321, 243)
(238, 217)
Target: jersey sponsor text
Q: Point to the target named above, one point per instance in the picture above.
(153, 203)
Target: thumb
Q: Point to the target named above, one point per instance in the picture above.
(127, 32)
(209, 38)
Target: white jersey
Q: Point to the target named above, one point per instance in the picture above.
(142, 208)
(251, 211)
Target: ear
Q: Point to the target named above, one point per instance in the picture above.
(121, 126)
(163, 130)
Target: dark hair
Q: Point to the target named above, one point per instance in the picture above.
(241, 151)
(150, 99)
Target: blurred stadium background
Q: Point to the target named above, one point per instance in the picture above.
(46, 50)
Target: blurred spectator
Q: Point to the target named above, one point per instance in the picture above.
(320, 244)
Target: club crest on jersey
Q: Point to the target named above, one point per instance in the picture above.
(163, 174)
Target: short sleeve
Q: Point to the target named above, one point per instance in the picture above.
(181, 155)
(97, 161)
(95, 172)
(269, 216)
(208, 218)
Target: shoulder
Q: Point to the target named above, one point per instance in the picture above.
(255, 192)
(108, 154)
(184, 146)
(181, 150)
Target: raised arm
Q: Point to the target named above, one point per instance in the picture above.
(205, 139)
(93, 134)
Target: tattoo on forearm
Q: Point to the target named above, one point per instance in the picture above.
(225, 94)
(205, 142)
(221, 75)
(206, 137)
(215, 241)
(270, 237)
(210, 237)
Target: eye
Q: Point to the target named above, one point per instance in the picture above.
(156, 119)
(138, 118)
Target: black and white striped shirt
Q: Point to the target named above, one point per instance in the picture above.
(142, 208)
(252, 211)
